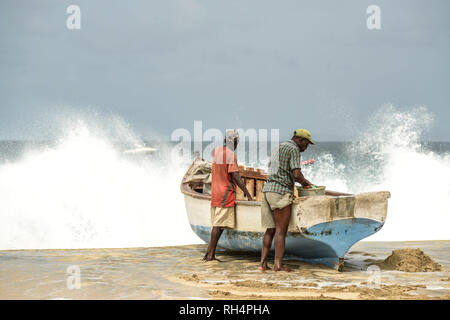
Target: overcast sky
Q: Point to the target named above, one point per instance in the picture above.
(162, 64)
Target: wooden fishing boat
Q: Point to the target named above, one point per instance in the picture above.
(321, 229)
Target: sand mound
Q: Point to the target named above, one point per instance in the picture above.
(411, 260)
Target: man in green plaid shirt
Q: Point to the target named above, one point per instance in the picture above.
(284, 170)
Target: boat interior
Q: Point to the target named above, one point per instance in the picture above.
(199, 185)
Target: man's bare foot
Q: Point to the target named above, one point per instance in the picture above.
(285, 269)
(206, 258)
(263, 268)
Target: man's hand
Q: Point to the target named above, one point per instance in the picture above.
(237, 178)
(298, 176)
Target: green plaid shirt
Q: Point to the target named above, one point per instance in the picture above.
(282, 161)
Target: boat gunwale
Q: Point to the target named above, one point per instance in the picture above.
(187, 190)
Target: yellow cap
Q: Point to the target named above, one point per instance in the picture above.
(303, 133)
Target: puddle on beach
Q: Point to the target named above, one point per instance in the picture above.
(179, 273)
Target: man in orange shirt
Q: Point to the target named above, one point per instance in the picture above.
(225, 177)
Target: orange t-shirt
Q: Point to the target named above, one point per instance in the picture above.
(223, 189)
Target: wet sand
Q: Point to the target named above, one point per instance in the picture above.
(179, 273)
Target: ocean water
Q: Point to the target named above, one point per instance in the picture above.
(79, 190)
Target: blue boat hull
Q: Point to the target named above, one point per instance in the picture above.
(324, 243)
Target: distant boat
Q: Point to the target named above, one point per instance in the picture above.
(321, 229)
(144, 150)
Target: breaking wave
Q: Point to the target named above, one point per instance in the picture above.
(82, 191)
(391, 155)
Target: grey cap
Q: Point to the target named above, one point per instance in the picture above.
(231, 135)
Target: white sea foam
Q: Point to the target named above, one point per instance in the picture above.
(389, 155)
(85, 193)
(419, 180)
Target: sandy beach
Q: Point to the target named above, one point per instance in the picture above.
(179, 273)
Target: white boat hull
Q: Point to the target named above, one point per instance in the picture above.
(321, 229)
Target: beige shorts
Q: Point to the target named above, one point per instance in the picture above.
(223, 217)
(270, 202)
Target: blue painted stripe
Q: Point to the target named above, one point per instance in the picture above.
(323, 243)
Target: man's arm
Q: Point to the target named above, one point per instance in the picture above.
(295, 163)
(298, 176)
(237, 178)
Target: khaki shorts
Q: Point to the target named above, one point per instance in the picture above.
(270, 202)
(223, 217)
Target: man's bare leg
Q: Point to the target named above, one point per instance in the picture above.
(210, 255)
(267, 243)
(282, 217)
